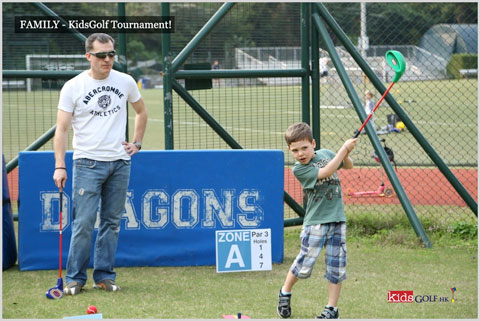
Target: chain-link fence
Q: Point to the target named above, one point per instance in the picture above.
(438, 90)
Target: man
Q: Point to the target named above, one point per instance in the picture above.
(94, 103)
(216, 66)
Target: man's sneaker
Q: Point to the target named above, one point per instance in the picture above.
(107, 285)
(283, 309)
(72, 288)
(328, 313)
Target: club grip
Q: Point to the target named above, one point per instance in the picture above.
(356, 134)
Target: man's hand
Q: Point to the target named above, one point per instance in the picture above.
(130, 148)
(60, 177)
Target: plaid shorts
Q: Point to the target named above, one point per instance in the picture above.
(314, 238)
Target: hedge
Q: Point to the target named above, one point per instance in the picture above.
(461, 61)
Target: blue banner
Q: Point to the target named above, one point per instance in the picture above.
(176, 201)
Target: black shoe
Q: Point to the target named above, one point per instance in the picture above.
(328, 313)
(283, 308)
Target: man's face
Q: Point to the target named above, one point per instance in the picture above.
(303, 150)
(100, 67)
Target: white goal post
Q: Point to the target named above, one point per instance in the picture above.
(54, 62)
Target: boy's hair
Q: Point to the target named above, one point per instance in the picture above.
(297, 132)
(100, 37)
(368, 92)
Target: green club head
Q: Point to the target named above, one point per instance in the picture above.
(397, 62)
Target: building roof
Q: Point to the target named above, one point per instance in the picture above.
(447, 39)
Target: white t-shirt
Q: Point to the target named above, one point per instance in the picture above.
(99, 117)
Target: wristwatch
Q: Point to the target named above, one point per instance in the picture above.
(139, 145)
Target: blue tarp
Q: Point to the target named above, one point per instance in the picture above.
(8, 232)
(176, 201)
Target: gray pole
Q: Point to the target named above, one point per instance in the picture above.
(167, 82)
(363, 29)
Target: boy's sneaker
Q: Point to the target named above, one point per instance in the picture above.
(283, 308)
(107, 285)
(72, 288)
(328, 313)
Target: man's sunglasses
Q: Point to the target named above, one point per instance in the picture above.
(104, 54)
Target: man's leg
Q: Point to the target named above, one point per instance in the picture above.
(86, 184)
(114, 193)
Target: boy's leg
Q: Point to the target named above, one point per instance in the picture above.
(335, 261)
(313, 239)
(289, 282)
(283, 309)
(333, 293)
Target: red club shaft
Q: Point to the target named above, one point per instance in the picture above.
(376, 106)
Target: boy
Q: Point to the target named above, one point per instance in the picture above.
(324, 223)
(369, 105)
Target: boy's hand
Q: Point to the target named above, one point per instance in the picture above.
(349, 145)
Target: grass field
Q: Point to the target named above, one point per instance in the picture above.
(379, 260)
(444, 111)
(384, 254)
(257, 118)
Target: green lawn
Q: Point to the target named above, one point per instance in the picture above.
(444, 111)
(384, 261)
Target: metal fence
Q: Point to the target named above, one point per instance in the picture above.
(255, 111)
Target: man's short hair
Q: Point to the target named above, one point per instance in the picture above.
(100, 37)
(297, 132)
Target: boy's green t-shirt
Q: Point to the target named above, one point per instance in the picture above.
(325, 203)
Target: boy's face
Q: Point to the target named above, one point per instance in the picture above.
(303, 150)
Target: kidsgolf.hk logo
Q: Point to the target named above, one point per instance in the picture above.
(400, 296)
(409, 297)
(453, 293)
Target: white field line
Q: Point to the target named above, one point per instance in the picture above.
(249, 130)
(419, 122)
(202, 124)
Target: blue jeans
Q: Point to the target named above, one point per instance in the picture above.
(96, 184)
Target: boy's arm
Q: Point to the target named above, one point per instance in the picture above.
(342, 155)
(347, 162)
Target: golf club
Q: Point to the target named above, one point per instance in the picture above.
(57, 291)
(397, 62)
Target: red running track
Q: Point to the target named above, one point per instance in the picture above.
(423, 186)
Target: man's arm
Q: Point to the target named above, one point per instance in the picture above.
(140, 120)
(140, 126)
(64, 120)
